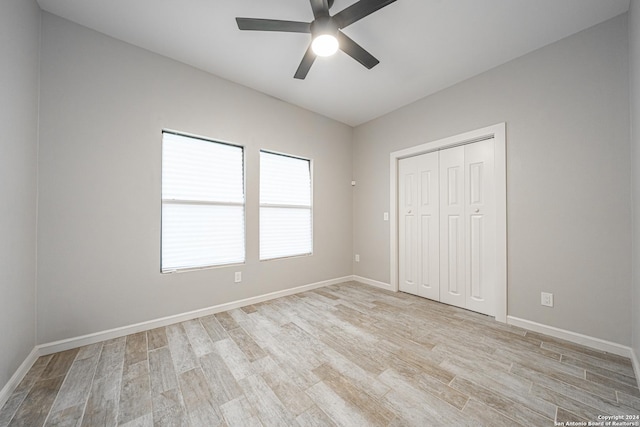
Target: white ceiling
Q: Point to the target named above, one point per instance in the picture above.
(423, 45)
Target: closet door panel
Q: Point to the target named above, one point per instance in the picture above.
(408, 225)
(480, 218)
(429, 241)
(452, 227)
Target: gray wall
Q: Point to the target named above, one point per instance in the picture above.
(103, 106)
(568, 175)
(634, 91)
(19, 50)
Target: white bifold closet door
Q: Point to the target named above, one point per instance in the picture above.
(419, 219)
(447, 226)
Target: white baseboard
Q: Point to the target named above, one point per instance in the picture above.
(636, 365)
(574, 337)
(372, 282)
(96, 337)
(22, 370)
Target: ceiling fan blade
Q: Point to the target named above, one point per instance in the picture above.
(356, 51)
(359, 10)
(320, 8)
(305, 65)
(273, 25)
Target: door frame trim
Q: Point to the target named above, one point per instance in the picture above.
(496, 132)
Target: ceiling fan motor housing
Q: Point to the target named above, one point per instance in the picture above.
(324, 25)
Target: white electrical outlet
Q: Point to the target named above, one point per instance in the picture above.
(238, 277)
(385, 216)
(546, 299)
(357, 258)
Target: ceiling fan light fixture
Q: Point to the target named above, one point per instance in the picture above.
(324, 30)
(325, 45)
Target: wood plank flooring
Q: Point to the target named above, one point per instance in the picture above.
(344, 355)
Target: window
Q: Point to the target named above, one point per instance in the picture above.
(285, 206)
(202, 203)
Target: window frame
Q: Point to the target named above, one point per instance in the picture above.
(287, 206)
(202, 202)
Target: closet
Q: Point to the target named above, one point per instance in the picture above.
(447, 224)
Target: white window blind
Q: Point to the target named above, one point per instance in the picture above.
(285, 206)
(202, 203)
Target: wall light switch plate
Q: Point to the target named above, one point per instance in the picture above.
(357, 258)
(546, 299)
(385, 216)
(238, 277)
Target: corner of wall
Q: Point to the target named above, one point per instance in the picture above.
(35, 282)
(634, 99)
(21, 22)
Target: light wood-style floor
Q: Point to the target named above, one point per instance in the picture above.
(347, 355)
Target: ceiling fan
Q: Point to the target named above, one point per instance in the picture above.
(325, 31)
